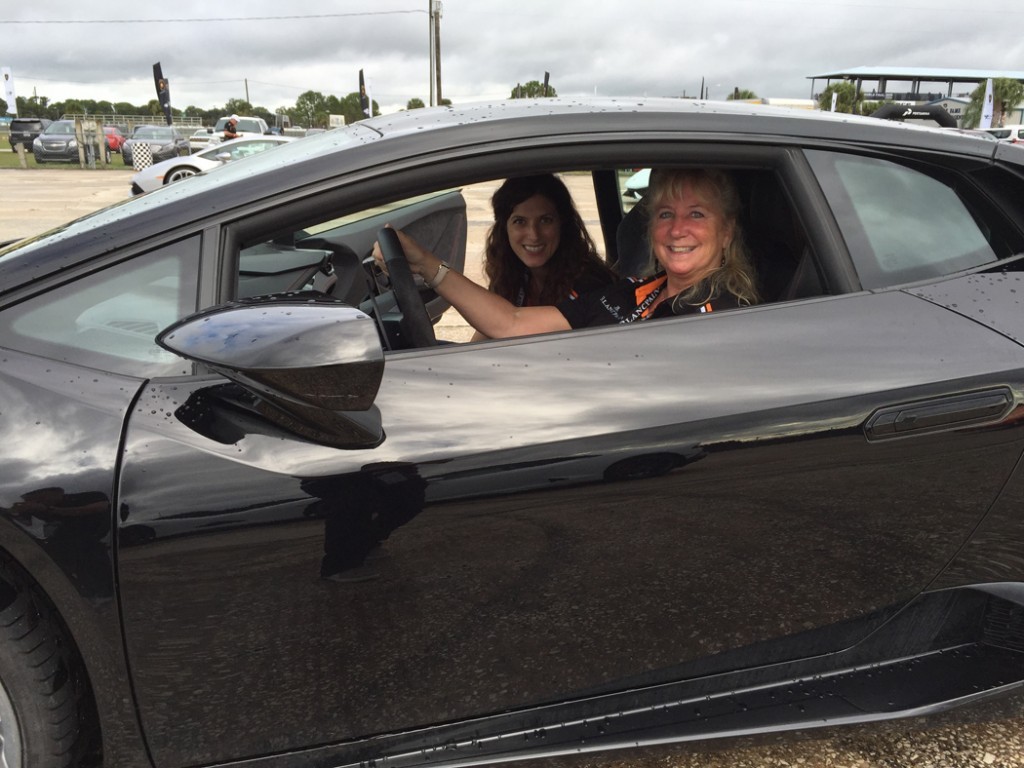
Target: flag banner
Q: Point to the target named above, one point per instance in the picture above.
(12, 102)
(163, 91)
(987, 107)
(364, 97)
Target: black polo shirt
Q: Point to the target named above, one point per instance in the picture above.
(629, 300)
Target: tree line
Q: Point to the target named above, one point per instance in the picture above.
(311, 110)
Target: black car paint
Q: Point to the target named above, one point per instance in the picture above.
(511, 593)
(506, 517)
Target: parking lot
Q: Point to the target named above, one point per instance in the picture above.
(34, 201)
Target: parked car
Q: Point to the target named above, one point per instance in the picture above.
(24, 130)
(252, 514)
(246, 126)
(636, 185)
(58, 144)
(1012, 134)
(178, 168)
(200, 139)
(164, 142)
(115, 139)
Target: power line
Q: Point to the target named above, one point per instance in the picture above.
(208, 19)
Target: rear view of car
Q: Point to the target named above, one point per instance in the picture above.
(24, 130)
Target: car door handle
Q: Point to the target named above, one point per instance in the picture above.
(952, 412)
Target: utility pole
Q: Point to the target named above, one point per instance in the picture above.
(434, 12)
(430, 33)
(437, 47)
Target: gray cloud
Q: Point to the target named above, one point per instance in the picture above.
(640, 47)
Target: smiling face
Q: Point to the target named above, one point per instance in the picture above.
(534, 231)
(689, 234)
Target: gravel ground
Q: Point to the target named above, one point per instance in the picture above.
(989, 734)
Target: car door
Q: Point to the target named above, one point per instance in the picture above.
(546, 519)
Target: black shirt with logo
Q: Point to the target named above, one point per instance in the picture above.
(630, 300)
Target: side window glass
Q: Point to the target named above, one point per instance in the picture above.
(632, 185)
(247, 148)
(901, 225)
(109, 320)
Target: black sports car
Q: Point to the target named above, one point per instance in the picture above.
(251, 510)
(162, 141)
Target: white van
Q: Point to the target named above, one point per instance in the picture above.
(1011, 133)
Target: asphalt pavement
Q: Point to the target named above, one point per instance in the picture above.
(986, 735)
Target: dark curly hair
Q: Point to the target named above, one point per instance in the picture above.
(575, 257)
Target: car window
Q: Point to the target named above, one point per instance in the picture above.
(59, 129)
(153, 133)
(900, 224)
(242, 149)
(108, 320)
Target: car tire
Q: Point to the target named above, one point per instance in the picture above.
(179, 173)
(40, 680)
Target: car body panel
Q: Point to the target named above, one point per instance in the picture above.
(749, 417)
(62, 425)
(207, 159)
(605, 526)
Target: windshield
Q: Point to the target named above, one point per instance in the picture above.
(245, 124)
(153, 133)
(292, 152)
(61, 129)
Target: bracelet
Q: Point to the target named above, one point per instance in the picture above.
(442, 271)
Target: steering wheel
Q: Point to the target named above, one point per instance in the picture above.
(415, 323)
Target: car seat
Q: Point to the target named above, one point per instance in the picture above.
(775, 237)
(632, 244)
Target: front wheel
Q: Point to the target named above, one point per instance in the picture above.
(40, 682)
(180, 173)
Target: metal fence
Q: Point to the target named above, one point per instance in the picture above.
(131, 121)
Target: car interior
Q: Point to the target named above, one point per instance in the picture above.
(333, 257)
(322, 243)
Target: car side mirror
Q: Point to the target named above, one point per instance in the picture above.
(313, 364)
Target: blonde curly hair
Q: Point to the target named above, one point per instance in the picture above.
(735, 275)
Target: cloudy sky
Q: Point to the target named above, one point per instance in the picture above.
(278, 50)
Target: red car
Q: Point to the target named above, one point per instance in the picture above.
(114, 137)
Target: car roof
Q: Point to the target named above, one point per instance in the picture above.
(417, 135)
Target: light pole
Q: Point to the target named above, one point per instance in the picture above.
(434, 22)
